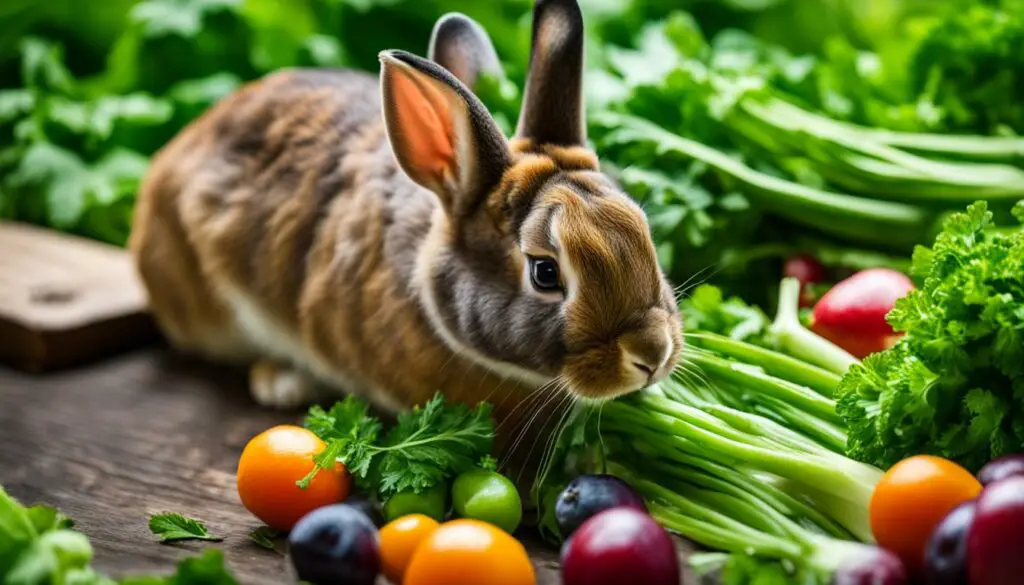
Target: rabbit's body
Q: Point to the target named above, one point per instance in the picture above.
(325, 283)
(386, 239)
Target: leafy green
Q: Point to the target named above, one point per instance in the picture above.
(954, 385)
(171, 527)
(264, 536)
(971, 65)
(208, 568)
(38, 546)
(429, 444)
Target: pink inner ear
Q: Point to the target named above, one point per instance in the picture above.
(425, 121)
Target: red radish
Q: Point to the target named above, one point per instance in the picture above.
(852, 313)
(618, 546)
(808, 271)
(995, 542)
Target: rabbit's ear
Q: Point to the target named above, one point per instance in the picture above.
(441, 134)
(462, 46)
(553, 103)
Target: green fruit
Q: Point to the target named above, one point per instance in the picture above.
(431, 502)
(487, 496)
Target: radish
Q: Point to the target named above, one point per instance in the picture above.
(852, 313)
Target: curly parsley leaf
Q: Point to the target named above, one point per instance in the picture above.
(171, 527)
(952, 386)
(427, 445)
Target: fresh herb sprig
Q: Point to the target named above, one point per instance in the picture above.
(172, 527)
(427, 445)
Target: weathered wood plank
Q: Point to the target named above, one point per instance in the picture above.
(65, 300)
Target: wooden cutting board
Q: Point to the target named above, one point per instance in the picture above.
(66, 300)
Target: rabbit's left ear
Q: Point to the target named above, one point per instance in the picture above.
(442, 136)
(462, 46)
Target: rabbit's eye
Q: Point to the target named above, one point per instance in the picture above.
(544, 275)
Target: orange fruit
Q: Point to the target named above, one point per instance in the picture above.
(269, 467)
(912, 499)
(399, 540)
(469, 552)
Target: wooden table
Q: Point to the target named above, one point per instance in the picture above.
(146, 432)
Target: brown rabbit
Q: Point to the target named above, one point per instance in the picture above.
(386, 239)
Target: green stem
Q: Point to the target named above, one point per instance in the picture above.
(683, 465)
(754, 379)
(777, 364)
(798, 341)
(882, 223)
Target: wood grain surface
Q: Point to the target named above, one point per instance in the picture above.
(147, 432)
(65, 300)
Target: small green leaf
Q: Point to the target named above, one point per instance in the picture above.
(171, 527)
(264, 536)
(46, 518)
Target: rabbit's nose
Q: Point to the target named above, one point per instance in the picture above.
(649, 350)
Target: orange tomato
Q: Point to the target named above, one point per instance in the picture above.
(269, 467)
(470, 552)
(398, 541)
(910, 501)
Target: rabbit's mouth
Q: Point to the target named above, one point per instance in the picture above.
(615, 369)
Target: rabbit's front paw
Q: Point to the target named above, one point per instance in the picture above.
(279, 386)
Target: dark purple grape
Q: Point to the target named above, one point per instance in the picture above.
(335, 545)
(620, 546)
(589, 494)
(946, 554)
(873, 566)
(995, 542)
(1002, 468)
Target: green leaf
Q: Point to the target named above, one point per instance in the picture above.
(170, 527)
(206, 569)
(182, 18)
(206, 91)
(42, 66)
(17, 530)
(264, 536)
(46, 518)
(15, 103)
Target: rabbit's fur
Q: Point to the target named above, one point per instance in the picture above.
(379, 237)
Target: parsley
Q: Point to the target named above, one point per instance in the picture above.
(429, 444)
(264, 536)
(171, 527)
(954, 385)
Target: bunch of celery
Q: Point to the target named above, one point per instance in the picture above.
(742, 451)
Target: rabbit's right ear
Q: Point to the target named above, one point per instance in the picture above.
(462, 46)
(442, 136)
(552, 111)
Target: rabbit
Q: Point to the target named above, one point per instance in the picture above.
(339, 233)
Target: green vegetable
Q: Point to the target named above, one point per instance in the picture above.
(954, 385)
(171, 527)
(208, 568)
(429, 444)
(264, 536)
(488, 496)
(742, 451)
(971, 65)
(432, 502)
(38, 546)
